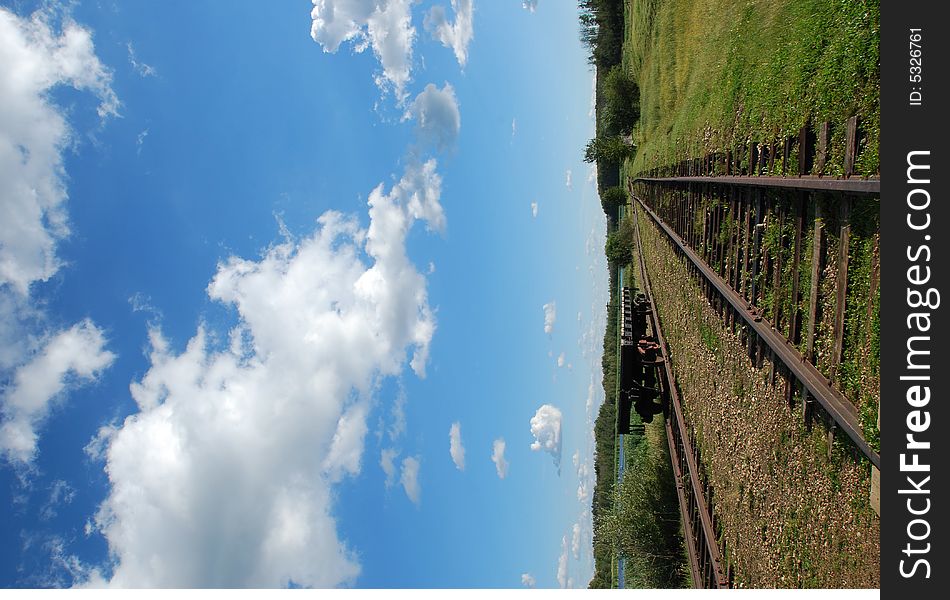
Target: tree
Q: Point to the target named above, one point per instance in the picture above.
(619, 246)
(621, 101)
(607, 149)
(611, 199)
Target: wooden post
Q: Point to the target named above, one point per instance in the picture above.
(841, 284)
(822, 157)
(803, 150)
(850, 146)
(816, 255)
(794, 326)
(757, 249)
(777, 273)
(744, 283)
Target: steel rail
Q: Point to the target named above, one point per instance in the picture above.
(840, 408)
(817, 184)
(720, 579)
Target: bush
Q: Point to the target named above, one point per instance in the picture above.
(644, 525)
(621, 101)
(607, 149)
(619, 246)
(611, 199)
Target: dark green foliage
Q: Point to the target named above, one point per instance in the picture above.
(611, 199)
(601, 30)
(621, 101)
(619, 246)
(644, 523)
(605, 441)
(609, 149)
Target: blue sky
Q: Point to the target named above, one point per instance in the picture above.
(259, 263)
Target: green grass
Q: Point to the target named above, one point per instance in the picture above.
(717, 73)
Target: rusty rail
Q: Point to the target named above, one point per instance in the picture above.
(705, 557)
(842, 411)
(817, 184)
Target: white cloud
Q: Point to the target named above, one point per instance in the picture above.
(410, 478)
(384, 25)
(528, 580)
(244, 442)
(398, 414)
(456, 449)
(568, 175)
(576, 457)
(140, 140)
(583, 491)
(437, 117)
(76, 355)
(386, 458)
(37, 363)
(560, 360)
(61, 493)
(546, 429)
(33, 135)
(514, 127)
(143, 69)
(346, 447)
(498, 457)
(534, 209)
(576, 540)
(562, 564)
(550, 316)
(456, 36)
(530, 5)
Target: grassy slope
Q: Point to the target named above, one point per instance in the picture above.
(715, 73)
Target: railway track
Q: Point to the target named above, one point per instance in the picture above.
(720, 224)
(707, 568)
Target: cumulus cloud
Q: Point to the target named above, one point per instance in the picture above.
(530, 5)
(546, 429)
(384, 25)
(514, 127)
(528, 580)
(560, 360)
(244, 442)
(562, 580)
(410, 478)
(39, 366)
(33, 135)
(456, 449)
(498, 457)
(76, 355)
(568, 176)
(534, 209)
(550, 316)
(436, 113)
(455, 35)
